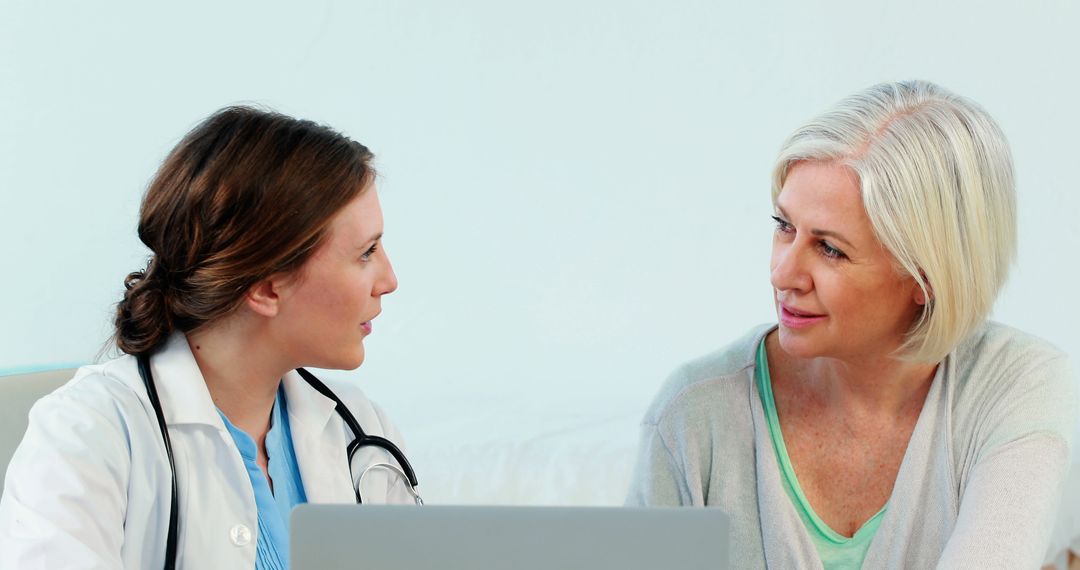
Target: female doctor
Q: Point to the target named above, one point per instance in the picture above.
(266, 238)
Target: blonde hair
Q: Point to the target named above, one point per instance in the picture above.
(937, 183)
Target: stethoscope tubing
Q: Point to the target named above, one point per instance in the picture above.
(360, 440)
(174, 522)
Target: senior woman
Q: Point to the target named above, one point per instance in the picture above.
(884, 422)
(191, 449)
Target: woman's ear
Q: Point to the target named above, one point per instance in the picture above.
(923, 295)
(264, 297)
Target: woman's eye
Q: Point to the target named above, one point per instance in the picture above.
(831, 252)
(367, 254)
(782, 226)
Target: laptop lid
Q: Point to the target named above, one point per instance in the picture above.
(327, 537)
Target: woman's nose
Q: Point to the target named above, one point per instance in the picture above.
(388, 283)
(788, 271)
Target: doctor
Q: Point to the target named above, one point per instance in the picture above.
(266, 235)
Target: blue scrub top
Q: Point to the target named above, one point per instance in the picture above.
(272, 547)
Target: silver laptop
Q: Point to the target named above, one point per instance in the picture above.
(376, 537)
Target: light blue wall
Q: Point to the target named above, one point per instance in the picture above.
(576, 193)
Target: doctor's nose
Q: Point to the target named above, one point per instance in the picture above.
(387, 282)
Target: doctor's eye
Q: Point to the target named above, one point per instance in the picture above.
(370, 252)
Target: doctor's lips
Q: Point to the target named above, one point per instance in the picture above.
(795, 318)
(366, 325)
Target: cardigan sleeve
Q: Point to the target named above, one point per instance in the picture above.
(658, 480)
(1009, 501)
(667, 471)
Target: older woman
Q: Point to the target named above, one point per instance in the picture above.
(883, 422)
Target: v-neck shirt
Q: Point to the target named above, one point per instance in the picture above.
(274, 506)
(837, 551)
(979, 486)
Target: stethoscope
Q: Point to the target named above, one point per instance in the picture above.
(361, 439)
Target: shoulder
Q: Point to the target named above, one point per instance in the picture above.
(349, 391)
(1008, 382)
(371, 415)
(998, 358)
(1001, 346)
(709, 383)
(92, 422)
(106, 391)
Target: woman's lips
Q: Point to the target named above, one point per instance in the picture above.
(366, 326)
(795, 319)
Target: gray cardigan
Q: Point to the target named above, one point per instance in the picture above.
(979, 485)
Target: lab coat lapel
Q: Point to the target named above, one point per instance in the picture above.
(319, 442)
(185, 399)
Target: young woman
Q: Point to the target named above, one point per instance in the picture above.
(192, 448)
(883, 422)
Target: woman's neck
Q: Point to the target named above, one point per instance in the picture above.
(241, 374)
(866, 385)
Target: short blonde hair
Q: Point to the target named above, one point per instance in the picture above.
(937, 183)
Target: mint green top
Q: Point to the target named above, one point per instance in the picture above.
(837, 552)
(980, 485)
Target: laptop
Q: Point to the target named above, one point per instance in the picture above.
(375, 537)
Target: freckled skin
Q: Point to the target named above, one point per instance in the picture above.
(845, 465)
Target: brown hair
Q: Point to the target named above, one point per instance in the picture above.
(245, 195)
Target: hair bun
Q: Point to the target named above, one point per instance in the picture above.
(142, 316)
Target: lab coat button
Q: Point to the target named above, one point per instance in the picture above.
(240, 535)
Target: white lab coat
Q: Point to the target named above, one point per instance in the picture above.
(89, 485)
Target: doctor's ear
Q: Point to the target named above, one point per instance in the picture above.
(264, 297)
